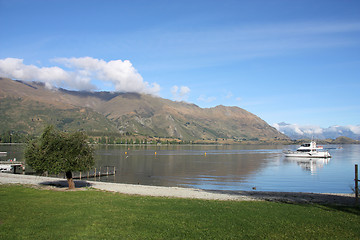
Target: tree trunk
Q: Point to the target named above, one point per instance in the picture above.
(70, 180)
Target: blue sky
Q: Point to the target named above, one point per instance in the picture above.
(291, 61)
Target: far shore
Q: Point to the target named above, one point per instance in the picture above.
(177, 192)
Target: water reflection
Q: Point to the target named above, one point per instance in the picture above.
(186, 166)
(312, 165)
(13, 151)
(223, 167)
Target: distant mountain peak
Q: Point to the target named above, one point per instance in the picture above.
(295, 131)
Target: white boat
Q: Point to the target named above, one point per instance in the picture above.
(308, 150)
(6, 168)
(11, 167)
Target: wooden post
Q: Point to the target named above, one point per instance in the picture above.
(95, 174)
(88, 174)
(107, 171)
(80, 175)
(356, 183)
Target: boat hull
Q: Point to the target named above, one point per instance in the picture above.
(308, 155)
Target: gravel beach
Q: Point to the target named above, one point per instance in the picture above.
(176, 192)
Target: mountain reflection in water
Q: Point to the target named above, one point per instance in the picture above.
(249, 167)
(187, 166)
(234, 167)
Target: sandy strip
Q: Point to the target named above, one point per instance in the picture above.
(294, 197)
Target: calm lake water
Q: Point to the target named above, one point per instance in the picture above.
(224, 167)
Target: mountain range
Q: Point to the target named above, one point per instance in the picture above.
(295, 131)
(27, 107)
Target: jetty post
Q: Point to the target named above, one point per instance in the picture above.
(114, 173)
(356, 183)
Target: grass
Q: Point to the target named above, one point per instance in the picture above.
(28, 213)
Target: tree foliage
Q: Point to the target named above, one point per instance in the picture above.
(56, 152)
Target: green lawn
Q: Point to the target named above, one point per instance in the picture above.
(28, 213)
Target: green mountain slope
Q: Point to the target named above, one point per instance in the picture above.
(28, 106)
(28, 109)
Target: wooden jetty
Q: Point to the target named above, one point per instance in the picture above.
(110, 171)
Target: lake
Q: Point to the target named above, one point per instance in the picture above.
(228, 167)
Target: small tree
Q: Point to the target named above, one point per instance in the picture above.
(56, 152)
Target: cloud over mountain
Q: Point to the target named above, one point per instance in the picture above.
(79, 74)
(15, 68)
(180, 93)
(295, 131)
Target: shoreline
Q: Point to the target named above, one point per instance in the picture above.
(189, 193)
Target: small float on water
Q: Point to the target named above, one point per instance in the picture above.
(308, 150)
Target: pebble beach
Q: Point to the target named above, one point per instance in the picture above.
(177, 192)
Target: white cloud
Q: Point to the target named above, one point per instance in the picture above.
(180, 93)
(297, 131)
(342, 129)
(206, 99)
(121, 74)
(228, 95)
(354, 129)
(15, 68)
(289, 128)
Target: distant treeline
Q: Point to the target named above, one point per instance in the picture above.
(96, 138)
(130, 138)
